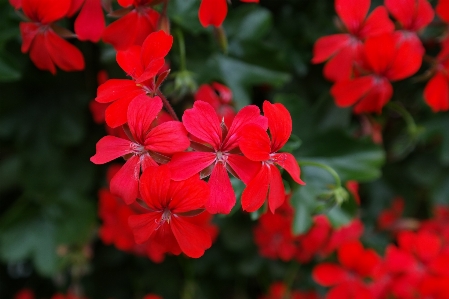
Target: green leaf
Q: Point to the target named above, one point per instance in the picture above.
(353, 159)
(7, 72)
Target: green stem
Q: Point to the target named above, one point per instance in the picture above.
(325, 167)
(182, 50)
(290, 278)
(411, 125)
(167, 106)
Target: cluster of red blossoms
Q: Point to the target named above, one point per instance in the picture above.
(372, 53)
(167, 160)
(45, 40)
(414, 266)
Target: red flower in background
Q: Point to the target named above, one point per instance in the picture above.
(385, 60)
(257, 146)
(442, 10)
(343, 51)
(436, 92)
(213, 12)
(216, 152)
(142, 64)
(47, 49)
(168, 222)
(220, 97)
(24, 294)
(279, 290)
(134, 27)
(347, 278)
(388, 218)
(147, 145)
(89, 23)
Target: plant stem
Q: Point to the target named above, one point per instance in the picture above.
(411, 125)
(182, 50)
(167, 106)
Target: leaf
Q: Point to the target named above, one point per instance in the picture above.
(7, 72)
(185, 14)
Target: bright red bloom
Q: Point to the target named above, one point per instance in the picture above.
(353, 187)
(257, 146)
(89, 23)
(213, 12)
(436, 92)
(220, 97)
(24, 294)
(343, 50)
(47, 49)
(147, 145)
(312, 242)
(388, 218)
(386, 60)
(134, 27)
(344, 234)
(347, 278)
(442, 10)
(167, 222)
(216, 152)
(142, 64)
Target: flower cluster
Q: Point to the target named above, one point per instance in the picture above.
(363, 62)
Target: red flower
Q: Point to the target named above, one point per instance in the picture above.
(46, 48)
(216, 152)
(343, 50)
(257, 146)
(436, 92)
(167, 222)
(213, 12)
(388, 218)
(134, 26)
(386, 60)
(24, 294)
(347, 278)
(312, 242)
(142, 64)
(353, 187)
(279, 290)
(89, 23)
(146, 145)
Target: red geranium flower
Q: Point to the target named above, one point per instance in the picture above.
(213, 12)
(279, 290)
(442, 10)
(386, 60)
(436, 92)
(142, 64)
(216, 152)
(47, 49)
(132, 29)
(146, 145)
(89, 23)
(257, 146)
(170, 204)
(343, 50)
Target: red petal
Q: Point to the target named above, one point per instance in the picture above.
(154, 187)
(40, 56)
(412, 14)
(327, 46)
(327, 274)
(349, 254)
(212, 12)
(398, 261)
(442, 10)
(436, 92)
(408, 58)
(428, 246)
(222, 196)
(289, 163)
(17, 4)
(143, 226)
(224, 92)
(352, 13)
(348, 92)
(341, 65)
(167, 138)
(376, 98)
(256, 191)
(207, 94)
(110, 148)
(74, 7)
(115, 89)
(147, 22)
(116, 113)
(129, 61)
(280, 124)
(125, 183)
(377, 23)
(276, 193)
(151, 70)
(202, 122)
(28, 32)
(243, 167)
(255, 143)
(125, 3)
(65, 55)
(122, 33)
(380, 51)
(188, 195)
(185, 165)
(247, 115)
(192, 239)
(89, 24)
(45, 11)
(142, 111)
(156, 45)
(368, 263)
